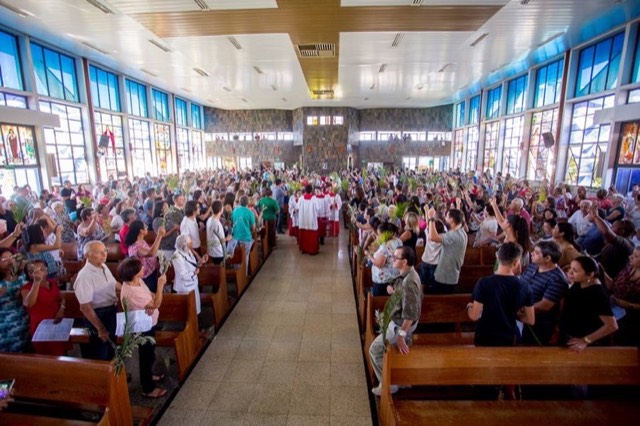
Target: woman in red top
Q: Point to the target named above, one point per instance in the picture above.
(41, 297)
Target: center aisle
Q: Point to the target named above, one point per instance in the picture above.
(289, 353)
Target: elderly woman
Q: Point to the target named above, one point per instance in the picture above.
(625, 293)
(161, 218)
(14, 321)
(617, 211)
(137, 296)
(138, 247)
(68, 234)
(186, 267)
(89, 230)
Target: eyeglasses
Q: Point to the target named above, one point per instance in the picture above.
(38, 270)
(394, 257)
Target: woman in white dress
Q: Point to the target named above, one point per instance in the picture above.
(186, 268)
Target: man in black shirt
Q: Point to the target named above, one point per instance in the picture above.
(68, 195)
(498, 299)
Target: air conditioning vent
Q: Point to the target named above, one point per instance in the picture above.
(202, 4)
(160, 45)
(416, 2)
(318, 50)
(323, 92)
(235, 42)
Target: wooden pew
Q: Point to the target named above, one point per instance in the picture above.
(70, 261)
(68, 384)
(215, 276)
(364, 282)
(237, 269)
(468, 365)
(176, 308)
(436, 309)
(254, 260)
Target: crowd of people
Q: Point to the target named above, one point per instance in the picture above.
(565, 259)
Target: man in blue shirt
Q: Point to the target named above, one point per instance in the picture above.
(278, 195)
(244, 222)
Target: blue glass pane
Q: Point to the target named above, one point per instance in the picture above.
(558, 86)
(511, 95)
(550, 90)
(600, 66)
(10, 73)
(69, 78)
(54, 74)
(585, 68)
(635, 77)
(114, 94)
(181, 112)
(493, 103)
(474, 110)
(142, 95)
(462, 111)
(196, 119)
(38, 65)
(541, 79)
(93, 83)
(103, 88)
(614, 63)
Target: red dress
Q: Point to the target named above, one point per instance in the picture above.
(46, 307)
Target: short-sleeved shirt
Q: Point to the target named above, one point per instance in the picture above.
(551, 285)
(190, 227)
(137, 297)
(502, 297)
(387, 272)
(582, 310)
(149, 263)
(243, 219)
(69, 204)
(454, 245)
(95, 285)
(269, 208)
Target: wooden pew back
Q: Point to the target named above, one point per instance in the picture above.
(68, 381)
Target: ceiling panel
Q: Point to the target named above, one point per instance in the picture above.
(137, 6)
(438, 33)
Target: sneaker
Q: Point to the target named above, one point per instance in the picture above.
(377, 391)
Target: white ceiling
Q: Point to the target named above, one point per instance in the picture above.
(412, 77)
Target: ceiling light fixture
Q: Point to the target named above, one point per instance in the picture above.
(284, 99)
(366, 99)
(211, 100)
(397, 39)
(444, 67)
(149, 72)
(244, 100)
(416, 2)
(201, 72)
(235, 42)
(102, 7)
(274, 87)
(258, 69)
(479, 39)
(186, 90)
(96, 48)
(20, 12)
(383, 67)
(226, 88)
(159, 45)
(550, 39)
(373, 86)
(202, 4)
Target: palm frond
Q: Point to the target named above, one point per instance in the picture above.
(20, 211)
(391, 304)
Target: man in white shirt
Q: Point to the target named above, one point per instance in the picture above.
(580, 220)
(95, 289)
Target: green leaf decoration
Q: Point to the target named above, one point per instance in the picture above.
(391, 304)
(129, 342)
(20, 211)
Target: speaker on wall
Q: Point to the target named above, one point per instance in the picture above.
(548, 139)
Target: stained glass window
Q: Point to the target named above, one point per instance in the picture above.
(55, 73)
(458, 146)
(598, 66)
(104, 89)
(491, 145)
(140, 143)
(163, 148)
(548, 84)
(10, 71)
(472, 149)
(588, 143)
(111, 158)
(541, 158)
(512, 146)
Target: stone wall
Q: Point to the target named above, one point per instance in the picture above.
(328, 147)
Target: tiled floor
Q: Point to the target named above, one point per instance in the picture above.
(289, 354)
